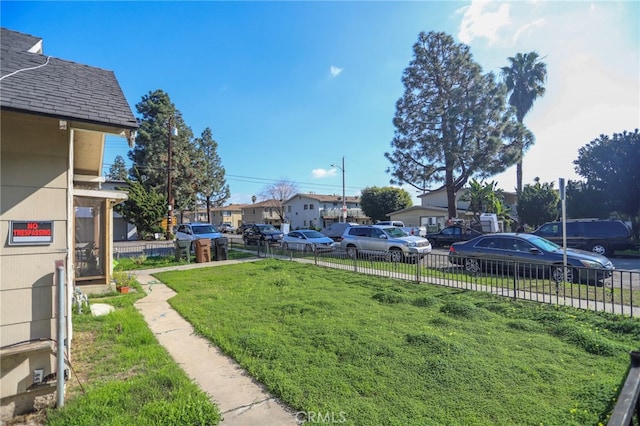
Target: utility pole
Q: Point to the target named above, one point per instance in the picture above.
(172, 130)
(344, 199)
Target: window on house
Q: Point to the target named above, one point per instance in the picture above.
(89, 237)
(310, 206)
(306, 207)
(288, 209)
(305, 223)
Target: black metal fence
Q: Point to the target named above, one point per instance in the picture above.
(615, 292)
(149, 249)
(628, 402)
(618, 292)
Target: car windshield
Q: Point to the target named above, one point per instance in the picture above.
(395, 232)
(268, 228)
(312, 234)
(544, 244)
(204, 229)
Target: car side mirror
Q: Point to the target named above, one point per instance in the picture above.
(383, 237)
(534, 250)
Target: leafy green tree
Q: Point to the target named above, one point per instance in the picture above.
(377, 202)
(118, 170)
(525, 77)
(145, 208)
(486, 197)
(211, 185)
(156, 141)
(538, 203)
(612, 165)
(585, 201)
(452, 122)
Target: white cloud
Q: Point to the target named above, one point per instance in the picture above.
(323, 173)
(335, 71)
(528, 28)
(478, 21)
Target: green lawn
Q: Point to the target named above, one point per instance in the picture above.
(122, 376)
(376, 351)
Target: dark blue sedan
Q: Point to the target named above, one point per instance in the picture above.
(529, 255)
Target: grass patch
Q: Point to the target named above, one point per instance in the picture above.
(152, 262)
(129, 378)
(377, 351)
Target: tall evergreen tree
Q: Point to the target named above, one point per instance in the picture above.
(156, 142)
(524, 77)
(118, 170)
(144, 208)
(212, 185)
(452, 122)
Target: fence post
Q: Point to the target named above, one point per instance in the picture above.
(629, 397)
(515, 281)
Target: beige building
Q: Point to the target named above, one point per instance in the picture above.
(55, 221)
(263, 212)
(231, 213)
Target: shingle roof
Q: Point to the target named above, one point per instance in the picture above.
(35, 83)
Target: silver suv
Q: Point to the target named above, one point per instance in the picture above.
(384, 238)
(195, 231)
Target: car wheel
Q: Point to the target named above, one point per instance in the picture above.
(599, 249)
(395, 255)
(352, 252)
(285, 246)
(472, 265)
(557, 274)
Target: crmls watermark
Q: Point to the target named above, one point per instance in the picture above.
(328, 417)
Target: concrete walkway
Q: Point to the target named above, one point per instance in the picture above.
(242, 401)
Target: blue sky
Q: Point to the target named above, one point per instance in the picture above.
(289, 88)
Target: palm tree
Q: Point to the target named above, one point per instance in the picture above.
(524, 78)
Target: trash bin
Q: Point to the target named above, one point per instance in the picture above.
(203, 250)
(183, 250)
(221, 248)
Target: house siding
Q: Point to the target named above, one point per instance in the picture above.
(42, 112)
(27, 272)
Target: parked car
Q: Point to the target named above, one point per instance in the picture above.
(419, 231)
(261, 233)
(598, 236)
(384, 238)
(307, 240)
(240, 229)
(528, 255)
(452, 234)
(226, 227)
(195, 231)
(335, 230)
